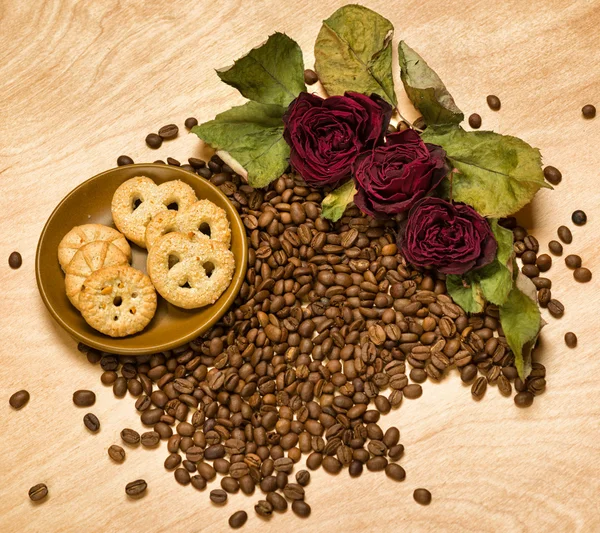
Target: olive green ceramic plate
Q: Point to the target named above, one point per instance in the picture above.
(90, 203)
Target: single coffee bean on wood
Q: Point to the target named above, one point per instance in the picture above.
(19, 399)
(84, 398)
(150, 439)
(573, 261)
(169, 131)
(154, 141)
(565, 235)
(38, 492)
(190, 122)
(493, 102)
(544, 262)
(544, 297)
(91, 422)
(130, 436)
(588, 111)
(570, 339)
(15, 260)
(136, 488)
(182, 476)
(422, 496)
(479, 387)
(555, 247)
(579, 217)
(310, 77)
(301, 508)
(123, 160)
(218, 496)
(475, 121)
(116, 453)
(395, 471)
(524, 399)
(556, 308)
(582, 275)
(238, 519)
(552, 175)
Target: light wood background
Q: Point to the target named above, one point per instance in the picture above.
(82, 82)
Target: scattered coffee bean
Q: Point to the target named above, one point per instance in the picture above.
(310, 77)
(579, 217)
(136, 488)
(120, 387)
(523, 399)
(182, 476)
(395, 471)
(168, 132)
(475, 121)
(263, 508)
(529, 257)
(552, 175)
(278, 502)
(556, 308)
(303, 477)
(588, 111)
(555, 247)
(123, 160)
(573, 261)
(582, 275)
(531, 243)
(238, 519)
(130, 436)
(150, 439)
(570, 339)
(531, 271)
(478, 388)
(38, 492)
(154, 141)
(301, 508)
(544, 297)
(422, 496)
(542, 283)
(84, 398)
(218, 496)
(108, 377)
(190, 122)
(91, 422)
(544, 262)
(15, 260)
(173, 162)
(412, 391)
(565, 235)
(19, 399)
(493, 102)
(116, 453)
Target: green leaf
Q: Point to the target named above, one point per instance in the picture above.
(273, 73)
(498, 174)
(353, 52)
(521, 322)
(252, 134)
(335, 203)
(426, 90)
(496, 278)
(467, 294)
(504, 238)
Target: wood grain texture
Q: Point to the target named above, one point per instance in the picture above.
(84, 81)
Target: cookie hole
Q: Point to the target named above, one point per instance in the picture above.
(173, 260)
(173, 206)
(204, 228)
(208, 268)
(116, 317)
(186, 285)
(136, 203)
(117, 301)
(134, 294)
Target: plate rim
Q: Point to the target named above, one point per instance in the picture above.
(167, 345)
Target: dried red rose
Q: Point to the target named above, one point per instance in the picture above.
(392, 177)
(327, 135)
(452, 238)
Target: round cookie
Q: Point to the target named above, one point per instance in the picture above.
(81, 235)
(89, 258)
(132, 218)
(118, 301)
(202, 213)
(187, 283)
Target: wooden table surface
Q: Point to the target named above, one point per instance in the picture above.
(82, 82)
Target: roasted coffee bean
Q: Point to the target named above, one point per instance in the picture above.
(478, 388)
(150, 439)
(301, 508)
(303, 477)
(556, 308)
(238, 519)
(84, 398)
(120, 387)
(91, 422)
(475, 121)
(579, 217)
(377, 463)
(263, 508)
(230, 485)
(529, 257)
(523, 399)
(169, 131)
(314, 461)
(573, 261)
(565, 235)
(123, 160)
(116, 453)
(310, 77)
(570, 339)
(198, 482)
(493, 102)
(293, 491)
(582, 275)
(331, 465)
(136, 488)
(468, 373)
(182, 476)
(172, 461)
(19, 399)
(190, 122)
(412, 391)
(588, 111)
(173, 162)
(544, 262)
(38, 492)
(15, 260)
(542, 283)
(130, 436)
(395, 472)
(422, 496)
(552, 175)
(544, 297)
(555, 247)
(154, 141)
(108, 377)
(504, 385)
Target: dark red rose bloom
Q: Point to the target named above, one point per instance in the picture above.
(326, 135)
(452, 238)
(392, 177)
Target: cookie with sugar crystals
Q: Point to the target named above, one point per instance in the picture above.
(188, 273)
(86, 233)
(202, 216)
(118, 301)
(89, 258)
(139, 199)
